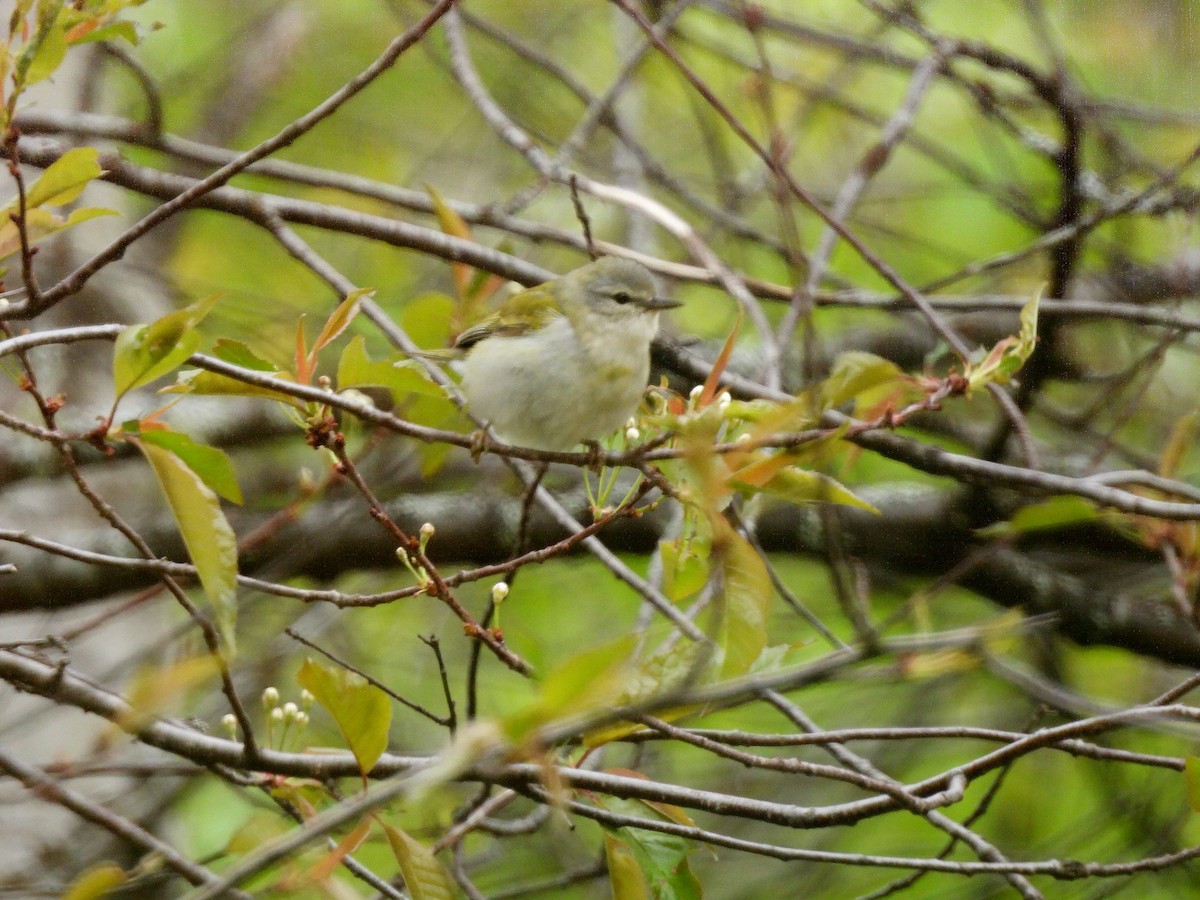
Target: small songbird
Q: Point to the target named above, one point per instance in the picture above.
(566, 361)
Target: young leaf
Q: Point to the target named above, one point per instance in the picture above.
(65, 178)
(238, 354)
(401, 378)
(853, 373)
(661, 858)
(41, 223)
(713, 381)
(1183, 439)
(81, 34)
(146, 352)
(580, 684)
(1191, 771)
(154, 689)
(324, 867)
(1006, 358)
(429, 319)
(684, 570)
(209, 540)
(624, 874)
(423, 875)
(338, 321)
(201, 381)
(211, 464)
(98, 881)
(360, 710)
(796, 485)
(51, 48)
(452, 223)
(1057, 512)
(745, 603)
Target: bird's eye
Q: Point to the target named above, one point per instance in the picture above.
(622, 297)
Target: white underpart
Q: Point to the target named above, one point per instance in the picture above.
(551, 390)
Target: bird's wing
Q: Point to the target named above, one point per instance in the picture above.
(521, 313)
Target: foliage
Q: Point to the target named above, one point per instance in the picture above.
(904, 530)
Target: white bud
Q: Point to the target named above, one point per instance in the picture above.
(277, 714)
(307, 699)
(301, 719)
(499, 592)
(290, 710)
(402, 555)
(427, 530)
(270, 697)
(694, 393)
(632, 434)
(743, 438)
(229, 722)
(724, 399)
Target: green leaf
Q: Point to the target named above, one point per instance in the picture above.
(661, 858)
(1009, 355)
(853, 373)
(624, 874)
(744, 605)
(578, 685)
(41, 223)
(98, 881)
(146, 352)
(361, 711)
(453, 224)
(797, 485)
(211, 464)
(50, 52)
(201, 381)
(340, 319)
(1191, 771)
(122, 29)
(684, 570)
(401, 378)
(209, 540)
(238, 354)
(65, 178)
(1057, 512)
(423, 875)
(427, 319)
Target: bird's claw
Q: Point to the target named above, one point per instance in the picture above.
(595, 456)
(479, 444)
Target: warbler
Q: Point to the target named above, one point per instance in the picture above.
(567, 361)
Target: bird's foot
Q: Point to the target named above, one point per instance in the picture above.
(480, 442)
(596, 456)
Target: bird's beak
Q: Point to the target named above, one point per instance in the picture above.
(657, 303)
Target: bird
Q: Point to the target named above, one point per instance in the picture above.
(566, 362)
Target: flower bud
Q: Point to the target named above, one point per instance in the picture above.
(270, 698)
(229, 722)
(499, 592)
